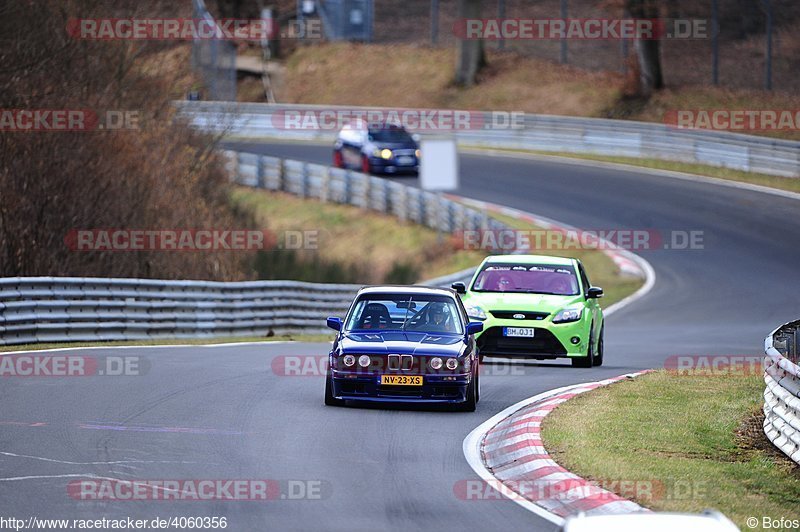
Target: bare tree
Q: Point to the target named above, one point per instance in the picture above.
(648, 51)
(471, 56)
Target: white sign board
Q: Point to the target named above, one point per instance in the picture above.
(438, 164)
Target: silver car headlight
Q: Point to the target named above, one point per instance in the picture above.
(568, 314)
(476, 312)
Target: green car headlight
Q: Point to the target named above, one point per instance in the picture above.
(476, 312)
(568, 314)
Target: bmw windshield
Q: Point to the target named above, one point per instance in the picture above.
(427, 313)
(528, 279)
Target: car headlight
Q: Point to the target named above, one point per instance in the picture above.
(363, 361)
(386, 154)
(451, 363)
(436, 363)
(568, 314)
(349, 360)
(416, 153)
(476, 312)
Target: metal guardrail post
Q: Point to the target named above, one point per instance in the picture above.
(366, 191)
(348, 187)
(326, 185)
(387, 197)
(304, 183)
(282, 176)
(402, 203)
(260, 173)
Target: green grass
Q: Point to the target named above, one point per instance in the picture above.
(354, 245)
(695, 437)
(790, 184)
(316, 338)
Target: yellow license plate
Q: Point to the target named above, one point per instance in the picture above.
(402, 380)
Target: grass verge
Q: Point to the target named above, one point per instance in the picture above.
(353, 245)
(695, 439)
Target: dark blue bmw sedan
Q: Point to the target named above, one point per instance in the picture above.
(404, 344)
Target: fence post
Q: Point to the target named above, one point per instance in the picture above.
(434, 21)
(260, 172)
(501, 14)
(348, 185)
(714, 43)
(304, 181)
(451, 217)
(282, 175)
(563, 52)
(402, 203)
(326, 183)
(768, 52)
(238, 165)
(367, 186)
(388, 205)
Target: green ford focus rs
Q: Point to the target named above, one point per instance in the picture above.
(535, 306)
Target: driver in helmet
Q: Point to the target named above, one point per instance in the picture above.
(439, 318)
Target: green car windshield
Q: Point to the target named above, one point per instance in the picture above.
(527, 278)
(429, 313)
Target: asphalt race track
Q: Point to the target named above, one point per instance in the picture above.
(221, 413)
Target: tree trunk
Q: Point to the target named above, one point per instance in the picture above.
(650, 76)
(648, 52)
(470, 53)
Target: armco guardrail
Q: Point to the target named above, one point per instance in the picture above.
(539, 132)
(782, 393)
(344, 186)
(56, 309)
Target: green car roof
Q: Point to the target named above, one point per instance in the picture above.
(530, 259)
